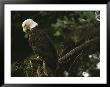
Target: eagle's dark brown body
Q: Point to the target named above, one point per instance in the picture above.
(41, 45)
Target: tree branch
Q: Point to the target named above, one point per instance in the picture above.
(88, 45)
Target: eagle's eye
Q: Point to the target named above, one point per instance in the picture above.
(25, 25)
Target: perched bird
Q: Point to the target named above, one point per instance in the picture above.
(41, 45)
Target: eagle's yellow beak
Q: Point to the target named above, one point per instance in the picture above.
(24, 30)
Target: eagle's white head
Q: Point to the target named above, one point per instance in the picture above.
(28, 24)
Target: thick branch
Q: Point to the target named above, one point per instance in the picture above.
(90, 44)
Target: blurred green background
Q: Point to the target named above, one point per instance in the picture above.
(67, 30)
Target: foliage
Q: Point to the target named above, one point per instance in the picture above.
(68, 30)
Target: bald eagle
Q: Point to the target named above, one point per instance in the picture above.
(41, 44)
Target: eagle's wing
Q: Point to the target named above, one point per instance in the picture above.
(42, 45)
